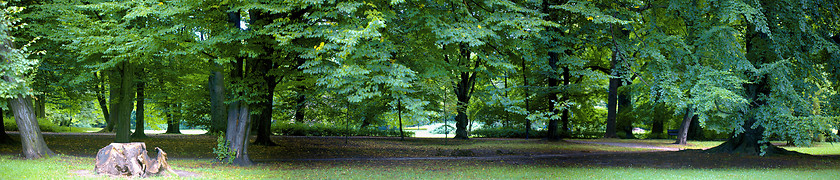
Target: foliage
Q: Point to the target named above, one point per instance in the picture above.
(222, 151)
(303, 129)
(506, 132)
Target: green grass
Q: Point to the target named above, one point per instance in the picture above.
(64, 167)
(823, 148)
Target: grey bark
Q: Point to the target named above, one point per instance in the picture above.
(552, 98)
(103, 103)
(218, 113)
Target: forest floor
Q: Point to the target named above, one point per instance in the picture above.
(380, 157)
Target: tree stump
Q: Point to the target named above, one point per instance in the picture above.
(130, 159)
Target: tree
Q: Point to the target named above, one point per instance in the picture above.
(14, 71)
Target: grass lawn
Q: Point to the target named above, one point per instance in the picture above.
(312, 158)
(64, 167)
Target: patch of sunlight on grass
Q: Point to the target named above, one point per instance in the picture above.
(823, 148)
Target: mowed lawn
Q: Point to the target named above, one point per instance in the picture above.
(380, 158)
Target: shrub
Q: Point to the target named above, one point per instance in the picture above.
(11, 125)
(300, 129)
(506, 132)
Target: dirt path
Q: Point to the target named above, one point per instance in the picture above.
(630, 145)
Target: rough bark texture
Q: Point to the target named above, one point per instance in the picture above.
(4, 138)
(265, 105)
(140, 113)
(132, 160)
(239, 123)
(122, 100)
(33, 143)
(218, 113)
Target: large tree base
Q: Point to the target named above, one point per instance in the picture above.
(739, 145)
(132, 160)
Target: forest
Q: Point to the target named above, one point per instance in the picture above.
(743, 72)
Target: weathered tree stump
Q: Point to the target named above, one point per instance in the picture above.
(130, 159)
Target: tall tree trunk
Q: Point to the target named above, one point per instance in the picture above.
(140, 112)
(552, 98)
(4, 138)
(695, 131)
(612, 106)
(122, 100)
(658, 127)
(565, 130)
(399, 115)
(218, 116)
(103, 103)
(527, 100)
(33, 143)
(173, 124)
(301, 96)
(463, 91)
(261, 68)
(625, 118)
(40, 106)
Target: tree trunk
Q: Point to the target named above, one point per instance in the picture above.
(40, 106)
(462, 93)
(612, 108)
(239, 123)
(140, 113)
(218, 117)
(103, 103)
(565, 130)
(625, 117)
(301, 99)
(683, 133)
(122, 100)
(4, 138)
(552, 98)
(527, 100)
(658, 127)
(261, 68)
(173, 124)
(399, 115)
(695, 131)
(33, 143)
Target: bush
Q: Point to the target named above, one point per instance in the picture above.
(299, 129)
(11, 125)
(506, 132)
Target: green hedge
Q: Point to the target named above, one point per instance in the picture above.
(286, 129)
(506, 132)
(10, 125)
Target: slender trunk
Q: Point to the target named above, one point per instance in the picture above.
(564, 118)
(173, 124)
(217, 100)
(527, 100)
(40, 106)
(4, 138)
(683, 133)
(399, 115)
(301, 99)
(140, 112)
(122, 99)
(103, 103)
